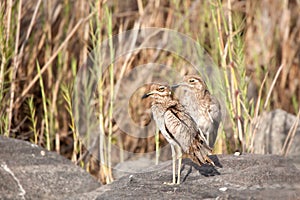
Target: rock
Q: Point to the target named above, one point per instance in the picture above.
(31, 172)
(273, 128)
(132, 166)
(237, 177)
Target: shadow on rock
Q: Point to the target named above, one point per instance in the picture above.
(205, 170)
(216, 160)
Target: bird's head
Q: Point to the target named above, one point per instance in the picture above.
(192, 82)
(158, 92)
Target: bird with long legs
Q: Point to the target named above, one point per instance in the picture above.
(203, 107)
(179, 129)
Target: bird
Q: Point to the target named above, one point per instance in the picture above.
(179, 129)
(203, 107)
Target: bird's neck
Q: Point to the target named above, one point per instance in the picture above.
(204, 95)
(165, 103)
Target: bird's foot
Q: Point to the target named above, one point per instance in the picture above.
(170, 183)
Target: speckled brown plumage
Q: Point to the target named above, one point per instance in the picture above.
(201, 106)
(179, 129)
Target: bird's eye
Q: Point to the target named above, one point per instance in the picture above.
(191, 80)
(161, 88)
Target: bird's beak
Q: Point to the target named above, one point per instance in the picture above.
(174, 87)
(146, 95)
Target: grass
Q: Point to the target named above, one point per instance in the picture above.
(33, 119)
(111, 103)
(45, 109)
(43, 47)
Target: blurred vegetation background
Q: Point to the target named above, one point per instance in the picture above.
(256, 43)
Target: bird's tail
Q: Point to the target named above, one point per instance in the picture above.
(199, 152)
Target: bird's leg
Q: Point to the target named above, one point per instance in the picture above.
(204, 136)
(174, 163)
(179, 153)
(174, 166)
(207, 138)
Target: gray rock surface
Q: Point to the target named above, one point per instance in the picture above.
(272, 131)
(30, 172)
(237, 177)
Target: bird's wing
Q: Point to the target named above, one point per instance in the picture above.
(183, 130)
(215, 110)
(180, 127)
(199, 152)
